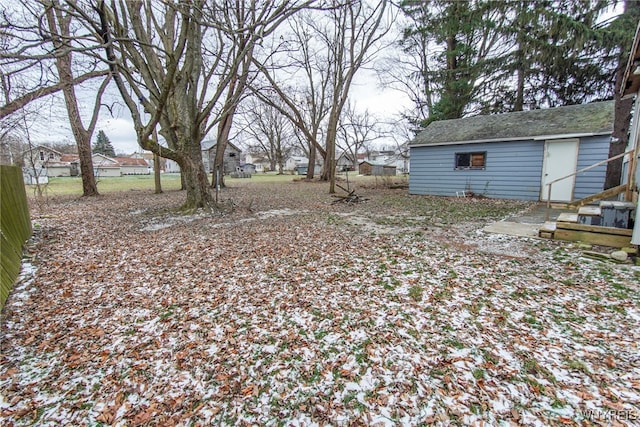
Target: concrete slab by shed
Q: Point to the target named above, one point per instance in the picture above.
(513, 228)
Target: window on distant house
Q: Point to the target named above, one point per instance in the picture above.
(51, 156)
(470, 160)
(42, 155)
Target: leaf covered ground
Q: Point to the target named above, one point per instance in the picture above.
(291, 310)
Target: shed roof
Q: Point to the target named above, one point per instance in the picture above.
(570, 121)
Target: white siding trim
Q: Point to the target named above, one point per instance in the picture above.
(541, 138)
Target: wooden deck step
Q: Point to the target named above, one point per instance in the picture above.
(593, 234)
(590, 215)
(568, 217)
(547, 230)
(590, 211)
(549, 226)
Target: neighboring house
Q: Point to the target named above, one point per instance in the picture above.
(514, 155)
(104, 166)
(402, 158)
(231, 161)
(398, 157)
(292, 163)
(133, 166)
(148, 157)
(45, 161)
(260, 162)
(345, 162)
(630, 170)
(171, 166)
(51, 163)
(376, 169)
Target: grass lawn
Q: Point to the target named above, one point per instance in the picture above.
(64, 186)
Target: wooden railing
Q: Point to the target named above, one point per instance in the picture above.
(549, 184)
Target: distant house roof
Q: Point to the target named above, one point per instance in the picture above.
(570, 121)
(131, 161)
(386, 165)
(69, 158)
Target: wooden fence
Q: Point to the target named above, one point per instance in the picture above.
(15, 227)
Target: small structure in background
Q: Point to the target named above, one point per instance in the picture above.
(231, 161)
(376, 169)
(248, 168)
(345, 162)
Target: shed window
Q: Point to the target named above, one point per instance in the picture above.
(471, 160)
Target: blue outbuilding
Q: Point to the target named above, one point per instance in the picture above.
(514, 155)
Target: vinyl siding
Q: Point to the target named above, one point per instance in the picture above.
(592, 150)
(513, 170)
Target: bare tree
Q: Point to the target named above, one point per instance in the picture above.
(356, 131)
(45, 48)
(336, 44)
(306, 103)
(187, 63)
(269, 132)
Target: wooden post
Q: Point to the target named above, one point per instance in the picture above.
(548, 201)
(631, 178)
(156, 166)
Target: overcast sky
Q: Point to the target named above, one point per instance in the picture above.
(50, 125)
(386, 104)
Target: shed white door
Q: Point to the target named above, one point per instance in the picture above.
(560, 159)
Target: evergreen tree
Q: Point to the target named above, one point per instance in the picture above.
(493, 56)
(562, 55)
(103, 145)
(463, 36)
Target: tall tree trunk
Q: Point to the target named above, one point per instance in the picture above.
(217, 174)
(329, 172)
(622, 112)
(519, 102)
(59, 27)
(311, 168)
(83, 141)
(156, 174)
(195, 181)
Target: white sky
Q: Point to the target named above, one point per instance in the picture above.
(51, 124)
(386, 104)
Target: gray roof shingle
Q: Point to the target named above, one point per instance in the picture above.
(593, 118)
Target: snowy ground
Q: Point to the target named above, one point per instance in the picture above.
(291, 310)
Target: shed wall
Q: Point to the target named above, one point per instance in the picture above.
(513, 170)
(593, 149)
